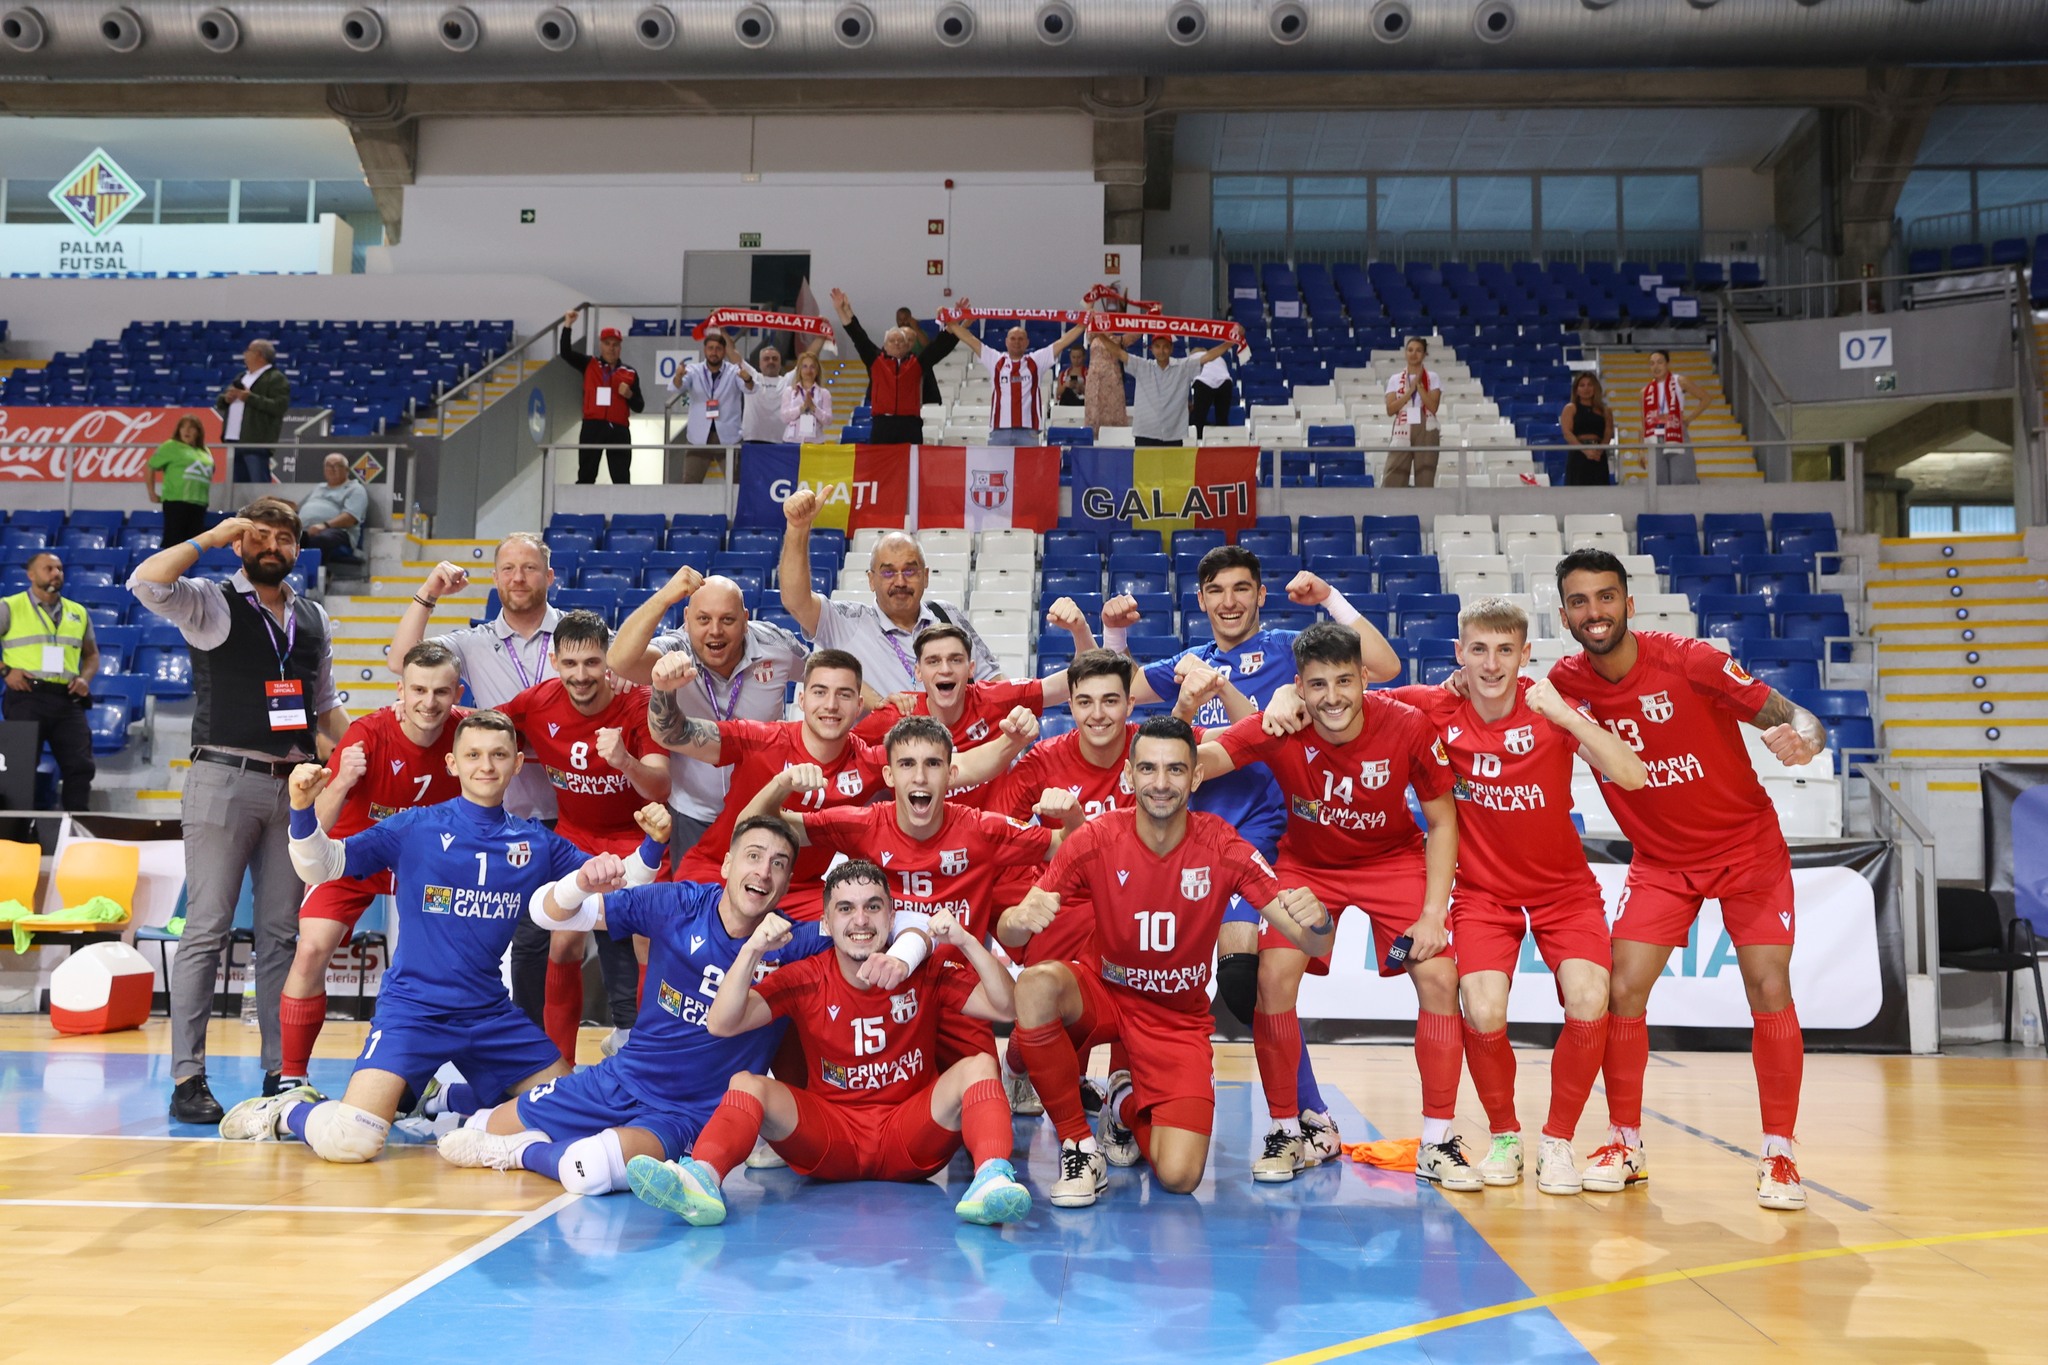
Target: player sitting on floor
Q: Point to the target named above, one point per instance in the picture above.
(464, 872)
(876, 1106)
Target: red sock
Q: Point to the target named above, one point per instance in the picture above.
(1056, 1074)
(639, 991)
(985, 1123)
(1492, 1063)
(1276, 1042)
(1574, 1062)
(1627, 1058)
(734, 1128)
(299, 1018)
(1013, 1056)
(1779, 1052)
(1439, 1056)
(563, 1012)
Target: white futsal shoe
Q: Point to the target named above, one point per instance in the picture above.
(1021, 1093)
(1777, 1182)
(476, 1148)
(1320, 1141)
(1557, 1169)
(1444, 1165)
(1502, 1164)
(1614, 1168)
(764, 1158)
(1119, 1144)
(1280, 1160)
(262, 1119)
(1084, 1176)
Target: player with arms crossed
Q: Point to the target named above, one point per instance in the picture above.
(1703, 829)
(877, 1106)
(464, 872)
(1160, 878)
(405, 763)
(1351, 840)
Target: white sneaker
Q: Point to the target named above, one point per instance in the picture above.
(262, 1119)
(1083, 1176)
(1319, 1138)
(1614, 1168)
(1023, 1096)
(476, 1148)
(1444, 1165)
(613, 1041)
(764, 1158)
(1777, 1182)
(1557, 1169)
(1502, 1164)
(1119, 1144)
(1280, 1160)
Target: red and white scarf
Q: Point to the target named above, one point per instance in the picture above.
(754, 317)
(1663, 410)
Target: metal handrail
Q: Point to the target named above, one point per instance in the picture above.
(1922, 930)
(488, 368)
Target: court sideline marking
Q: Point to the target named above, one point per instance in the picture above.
(255, 1208)
(1563, 1296)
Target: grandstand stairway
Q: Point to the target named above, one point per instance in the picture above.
(1623, 373)
(365, 621)
(1962, 628)
(500, 383)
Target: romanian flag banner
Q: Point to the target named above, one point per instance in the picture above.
(1166, 488)
(988, 488)
(857, 486)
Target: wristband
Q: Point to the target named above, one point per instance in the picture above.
(1116, 639)
(305, 823)
(427, 602)
(1340, 609)
(197, 548)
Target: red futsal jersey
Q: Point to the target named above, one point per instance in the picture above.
(1059, 762)
(955, 870)
(1157, 918)
(1346, 803)
(595, 801)
(759, 751)
(401, 773)
(982, 710)
(1513, 780)
(1681, 707)
(866, 1047)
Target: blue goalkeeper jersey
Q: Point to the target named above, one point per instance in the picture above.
(1248, 797)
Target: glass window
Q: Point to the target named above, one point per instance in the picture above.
(1239, 186)
(1413, 209)
(1334, 204)
(1931, 194)
(28, 201)
(1578, 212)
(1234, 216)
(1494, 203)
(195, 201)
(1924, 520)
(1660, 203)
(273, 201)
(1986, 520)
(1996, 189)
(336, 196)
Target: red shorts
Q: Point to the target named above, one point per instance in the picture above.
(1173, 1069)
(1389, 894)
(344, 900)
(1659, 905)
(1486, 936)
(867, 1141)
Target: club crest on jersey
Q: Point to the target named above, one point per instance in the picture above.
(1656, 706)
(952, 861)
(671, 1000)
(519, 854)
(832, 1073)
(1252, 662)
(978, 731)
(1194, 883)
(1443, 755)
(1376, 772)
(849, 783)
(903, 1008)
(1521, 739)
(1737, 672)
(764, 672)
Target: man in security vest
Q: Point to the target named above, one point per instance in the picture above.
(47, 647)
(611, 395)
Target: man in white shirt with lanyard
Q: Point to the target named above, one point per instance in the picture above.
(1017, 374)
(1413, 396)
(718, 392)
(763, 419)
(1664, 420)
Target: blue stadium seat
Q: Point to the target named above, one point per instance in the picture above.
(1432, 658)
(1694, 575)
(1967, 256)
(1770, 575)
(116, 702)
(1788, 665)
(163, 660)
(1419, 615)
(1058, 582)
(1139, 581)
(1818, 617)
(1263, 541)
(1136, 542)
(1804, 533)
(1075, 538)
(1734, 618)
(1410, 573)
(1847, 716)
(1390, 535)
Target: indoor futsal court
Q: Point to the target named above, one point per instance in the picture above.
(123, 1230)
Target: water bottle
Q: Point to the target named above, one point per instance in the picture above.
(2030, 1026)
(416, 524)
(249, 1001)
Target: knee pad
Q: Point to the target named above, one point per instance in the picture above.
(594, 1165)
(1237, 984)
(343, 1133)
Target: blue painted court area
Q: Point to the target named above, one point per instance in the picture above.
(1237, 1272)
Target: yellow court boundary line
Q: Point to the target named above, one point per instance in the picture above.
(1594, 1291)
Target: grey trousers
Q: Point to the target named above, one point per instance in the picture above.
(1675, 465)
(234, 821)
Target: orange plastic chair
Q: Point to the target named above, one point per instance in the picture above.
(90, 868)
(20, 865)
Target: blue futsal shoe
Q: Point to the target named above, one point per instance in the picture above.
(995, 1197)
(687, 1188)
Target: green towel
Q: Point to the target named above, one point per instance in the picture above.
(98, 910)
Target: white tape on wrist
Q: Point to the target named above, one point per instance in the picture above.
(1116, 638)
(545, 901)
(1340, 609)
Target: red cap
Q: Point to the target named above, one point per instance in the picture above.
(610, 334)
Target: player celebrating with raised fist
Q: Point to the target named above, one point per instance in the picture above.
(464, 871)
(1703, 829)
(877, 1105)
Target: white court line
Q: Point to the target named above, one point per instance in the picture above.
(406, 1293)
(254, 1208)
(114, 1137)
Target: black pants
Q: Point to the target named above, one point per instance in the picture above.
(1584, 470)
(330, 544)
(183, 521)
(616, 960)
(1155, 441)
(612, 440)
(898, 431)
(1212, 405)
(59, 719)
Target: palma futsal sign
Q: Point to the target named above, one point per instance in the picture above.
(97, 194)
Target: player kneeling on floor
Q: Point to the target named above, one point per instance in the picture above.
(651, 1098)
(875, 1107)
(463, 871)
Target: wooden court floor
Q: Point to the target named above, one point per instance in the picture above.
(1925, 1240)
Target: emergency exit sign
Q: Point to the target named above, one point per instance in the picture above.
(750, 241)
(934, 267)
(526, 215)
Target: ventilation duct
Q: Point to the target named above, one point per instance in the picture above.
(496, 40)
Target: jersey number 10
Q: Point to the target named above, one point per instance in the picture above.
(1156, 930)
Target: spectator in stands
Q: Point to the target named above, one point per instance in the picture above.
(1665, 420)
(900, 381)
(334, 512)
(611, 395)
(907, 320)
(263, 674)
(879, 635)
(179, 477)
(1588, 428)
(718, 393)
(49, 655)
(1073, 380)
(1159, 417)
(1016, 380)
(806, 402)
(1413, 397)
(254, 407)
(1215, 395)
(1103, 394)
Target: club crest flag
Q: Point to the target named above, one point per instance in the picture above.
(988, 488)
(1166, 488)
(857, 486)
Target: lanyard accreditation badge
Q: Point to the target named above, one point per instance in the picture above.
(284, 697)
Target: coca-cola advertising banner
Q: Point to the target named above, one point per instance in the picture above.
(35, 442)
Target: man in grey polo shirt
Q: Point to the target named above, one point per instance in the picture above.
(880, 635)
(334, 512)
(1159, 411)
(501, 658)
